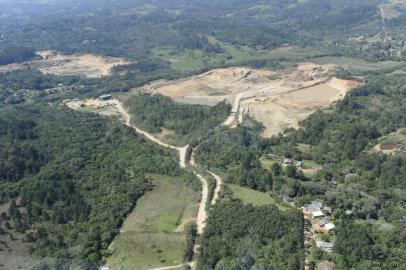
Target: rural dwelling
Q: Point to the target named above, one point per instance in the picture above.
(317, 214)
(325, 246)
(287, 161)
(105, 97)
(324, 226)
(313, 209)
(326, 265)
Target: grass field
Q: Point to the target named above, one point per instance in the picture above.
(267, 163)
(152, 235)
(254, 197)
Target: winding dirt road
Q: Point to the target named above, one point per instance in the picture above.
(202, 211)
(127, 120)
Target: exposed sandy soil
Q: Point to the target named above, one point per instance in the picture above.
(53, 62)
(278, 99)
(102, 107)
(392, 9)
(286, 110)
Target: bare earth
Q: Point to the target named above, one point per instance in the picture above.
(53, 62)
(278, 99)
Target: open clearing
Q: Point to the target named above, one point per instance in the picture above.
(392, 144)
(254, 197)
(53, 62)
(150, 236)
(102, 107)
(279, 99)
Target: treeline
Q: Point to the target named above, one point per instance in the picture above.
(154, 112)
(70, 179)
(239, 236)
(15, 54)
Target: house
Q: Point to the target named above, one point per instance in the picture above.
(313, 209)
(326, 265)
(348, 212)
(324, 226)
(317, 214)
(105, 97)
(287, 161)
(325, 246)
(329, 227)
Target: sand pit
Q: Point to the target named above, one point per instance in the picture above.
(102, 107)
(287, 109)
(53, 62)
(213, 86)
(278, 99)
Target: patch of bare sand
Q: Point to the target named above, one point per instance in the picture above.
(102, 107)
(286, 110)
(279, 99)
(213, 86)
(53, 62)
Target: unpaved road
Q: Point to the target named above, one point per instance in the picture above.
(202, 212)
(217, 189)
(127, 120)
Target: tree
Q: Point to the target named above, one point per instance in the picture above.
(291, 171)
(276, 169)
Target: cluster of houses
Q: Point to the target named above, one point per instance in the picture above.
(319, 217)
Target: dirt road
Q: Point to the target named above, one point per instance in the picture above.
(127, 120)
(217, 189)
(202, 212)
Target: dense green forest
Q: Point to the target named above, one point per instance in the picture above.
(241, 236)
(153, 112)
(70, 179)
(235, 153)
(15, 54)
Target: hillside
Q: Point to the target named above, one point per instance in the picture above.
(204, 135)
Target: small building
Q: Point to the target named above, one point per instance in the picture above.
(348, 212)
(325, 246)
(317, 214)
(326, 265)
(105, 97)
(287, 161)
(329, 227)
(313, 209)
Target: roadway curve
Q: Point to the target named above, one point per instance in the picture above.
(127, 120)
(202, 211)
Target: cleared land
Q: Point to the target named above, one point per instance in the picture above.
(53, 62)
(150, 236)
(392, 144)
(278, 99)
(254, 197)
